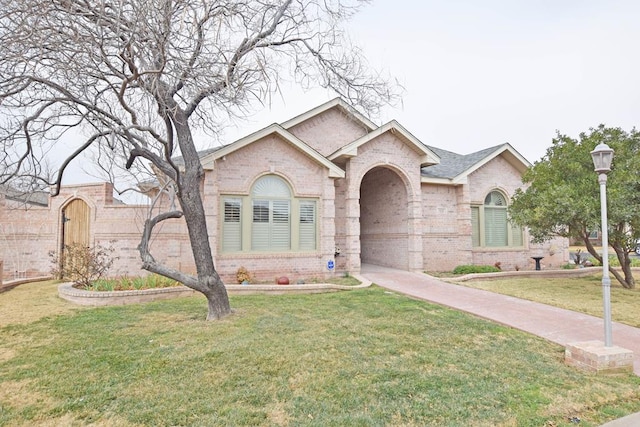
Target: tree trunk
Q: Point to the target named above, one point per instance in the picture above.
(209, 282)
(625, 263)
(627, 281)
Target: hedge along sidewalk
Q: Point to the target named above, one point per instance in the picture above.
(576, 272)
(102, 298)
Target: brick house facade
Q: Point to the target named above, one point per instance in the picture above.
(328, 187)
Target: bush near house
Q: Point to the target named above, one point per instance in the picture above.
(81, 264)
(469, 269)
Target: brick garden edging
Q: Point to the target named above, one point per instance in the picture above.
(577, 272)
(10, 284)
(98, 298)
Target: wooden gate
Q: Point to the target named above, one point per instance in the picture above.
(75, 220)
(75, 229)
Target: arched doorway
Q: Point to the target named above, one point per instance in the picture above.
(75, 225)
(384, 236)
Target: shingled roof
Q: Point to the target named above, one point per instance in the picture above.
(452, 164)
(38, 198)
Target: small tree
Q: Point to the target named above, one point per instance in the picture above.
(137, 77)
(562, 197)
(81, 264)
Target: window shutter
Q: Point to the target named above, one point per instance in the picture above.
(231, 227)
(280, 231)
(516, 233)
(495, 221)
(260, 226)
(475, 226)
(307, 226)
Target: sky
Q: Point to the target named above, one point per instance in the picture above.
(481, 73)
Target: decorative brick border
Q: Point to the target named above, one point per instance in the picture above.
(96, 299)
(576, 272)
(10, 284)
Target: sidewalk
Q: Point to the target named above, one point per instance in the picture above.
(554, 324)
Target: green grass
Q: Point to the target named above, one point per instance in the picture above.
(583, 294)
(359, 358)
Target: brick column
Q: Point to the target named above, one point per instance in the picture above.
(352, 249)
(414, 229)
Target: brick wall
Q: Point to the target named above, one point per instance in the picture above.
(385, 172)
(383, 219)
(235, 175)
(29, 235)
(329, 131)
(380, 212)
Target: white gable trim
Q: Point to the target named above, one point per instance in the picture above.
(428, 157)
(335, 171)
(514, 158)
(348, 109)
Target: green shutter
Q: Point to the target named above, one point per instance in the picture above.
(475, 226)
(307, 226)
(516, 233)
(495, 226)
(232, 226)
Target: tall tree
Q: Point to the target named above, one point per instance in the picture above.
(562, 195)
(138, 77)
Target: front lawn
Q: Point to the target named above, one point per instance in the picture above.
(358, 358)
(583, 294)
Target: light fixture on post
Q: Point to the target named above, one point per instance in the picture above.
(602, 157)
(592, 355)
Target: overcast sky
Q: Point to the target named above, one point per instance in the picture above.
(480, 73)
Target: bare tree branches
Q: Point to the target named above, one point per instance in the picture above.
(135, 78)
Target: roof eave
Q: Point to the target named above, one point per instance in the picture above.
(334, 170)
(443, 181)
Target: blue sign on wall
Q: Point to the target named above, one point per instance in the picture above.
(330, 264)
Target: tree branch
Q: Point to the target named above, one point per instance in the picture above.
(148, 261)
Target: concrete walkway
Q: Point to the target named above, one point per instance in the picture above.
(555, 324)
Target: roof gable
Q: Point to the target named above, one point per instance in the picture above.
(208, 158)
(334, 103)
(428, 156)
(455, 168)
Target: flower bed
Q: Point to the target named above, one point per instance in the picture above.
(103, 298)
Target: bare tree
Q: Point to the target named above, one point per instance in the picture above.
(137, 77)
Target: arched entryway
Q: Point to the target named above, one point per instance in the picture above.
(384, 236)
(75, 225)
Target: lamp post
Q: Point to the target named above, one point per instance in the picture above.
(602, 157)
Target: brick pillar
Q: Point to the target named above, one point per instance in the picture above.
(352, 249)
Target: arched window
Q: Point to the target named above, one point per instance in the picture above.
(271, 207)
(270, 219)
(490, 224)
